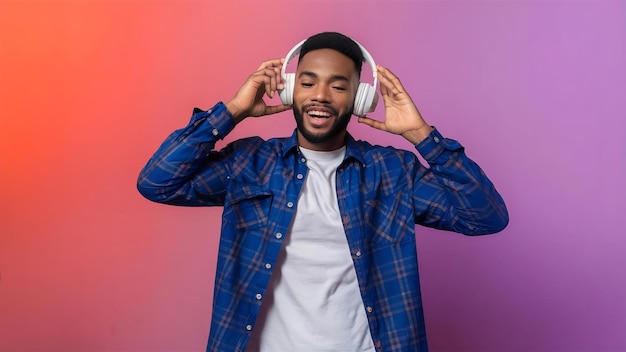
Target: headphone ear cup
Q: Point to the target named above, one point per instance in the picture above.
(286, 94)
(364, 99)
(358, 100)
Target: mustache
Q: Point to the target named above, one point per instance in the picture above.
(325, 106)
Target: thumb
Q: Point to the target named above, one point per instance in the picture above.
(275, 109)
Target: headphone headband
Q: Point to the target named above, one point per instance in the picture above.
(368, 58)
(364, 100)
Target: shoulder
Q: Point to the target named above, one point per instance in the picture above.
(253, 160)
(252, 145)
(254, 152)
(391, 168)
(378, 154)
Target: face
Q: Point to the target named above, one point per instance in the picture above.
(324, 91)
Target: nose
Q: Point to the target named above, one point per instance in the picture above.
(321, 93)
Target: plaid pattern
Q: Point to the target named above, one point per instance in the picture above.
(382, 193)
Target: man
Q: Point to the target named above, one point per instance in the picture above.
(317, 249)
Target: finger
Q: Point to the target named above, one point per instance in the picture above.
(268, 70)
(384, 91)
(390, 86)
(372, 123)
(276, 109)
(385, 79)
(271, 69)
(267, 78)
(273, 80)
(271, 63)
(389, 79)
(387, 72)
(387, 87)
(260, 82)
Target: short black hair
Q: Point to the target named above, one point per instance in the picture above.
(335, 41)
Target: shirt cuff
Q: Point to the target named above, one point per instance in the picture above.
(432, 147)
(217, 121)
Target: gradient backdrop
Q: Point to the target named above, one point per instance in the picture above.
(535, 90)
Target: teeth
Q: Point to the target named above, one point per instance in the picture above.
(319, 114)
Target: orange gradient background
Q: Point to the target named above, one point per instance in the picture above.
(89, 89)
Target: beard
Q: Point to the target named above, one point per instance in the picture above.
(340, 125)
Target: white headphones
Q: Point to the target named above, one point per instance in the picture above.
(364, 100)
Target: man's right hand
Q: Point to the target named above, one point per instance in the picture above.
(248, 101)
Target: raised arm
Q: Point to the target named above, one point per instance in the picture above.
(401, 115)
(186, 170)
(454, 194)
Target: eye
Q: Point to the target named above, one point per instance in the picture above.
(340, 88)
(307, 84)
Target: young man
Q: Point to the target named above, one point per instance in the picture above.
(317, 249)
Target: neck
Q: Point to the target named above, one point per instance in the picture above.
(329, 145)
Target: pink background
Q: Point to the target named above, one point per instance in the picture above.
(88, 90)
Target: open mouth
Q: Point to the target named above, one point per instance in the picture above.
(319, 115)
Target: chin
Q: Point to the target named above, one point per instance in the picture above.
(339, 126)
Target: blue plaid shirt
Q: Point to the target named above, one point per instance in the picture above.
(382, 193)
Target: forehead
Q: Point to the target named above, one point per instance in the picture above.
(327, 62)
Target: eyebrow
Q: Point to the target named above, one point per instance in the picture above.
(333, 78)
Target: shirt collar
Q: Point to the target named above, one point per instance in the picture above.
(353, 149)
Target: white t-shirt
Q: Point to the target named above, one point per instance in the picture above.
(313, 301)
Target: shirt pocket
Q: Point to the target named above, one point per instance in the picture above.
(387, 220)
(247, 206)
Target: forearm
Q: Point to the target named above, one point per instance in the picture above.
(237, 112)
(176, 169)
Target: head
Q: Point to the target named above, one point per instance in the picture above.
(326, 81)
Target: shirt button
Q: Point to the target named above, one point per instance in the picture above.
(299, 176)
(436, 139)
(357, 253)
(279, 236)
(369, 309)
(215, 132)
(303, 160)
(249, 327)
(258, 296)
(290, 205)
(268, 266)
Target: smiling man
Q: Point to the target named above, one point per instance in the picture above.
(324, 76)
(317, 248)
